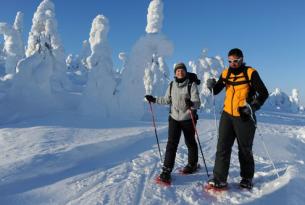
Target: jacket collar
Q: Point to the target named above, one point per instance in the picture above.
(237, 71)
(181, 82)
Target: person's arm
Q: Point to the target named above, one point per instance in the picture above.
(195, 99)
(259, 88)
(220, 84)
(165, 100)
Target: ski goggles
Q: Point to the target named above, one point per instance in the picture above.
(235, 60)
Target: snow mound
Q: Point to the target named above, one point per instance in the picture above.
(280, 101)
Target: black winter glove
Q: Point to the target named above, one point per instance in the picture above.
(255, 105)
(245, 113)
(211, 83)
(188, 103)
(150, 98)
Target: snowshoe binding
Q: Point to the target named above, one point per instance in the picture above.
(164, 178)
(246, 183)
(215, 185)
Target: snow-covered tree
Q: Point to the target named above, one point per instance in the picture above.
(85, 52)
(154, 42)
(123, 57)
(43, 34)
(164, 70)
(154, 17)
(77, 71)
(13, 49)
(42, 73)
(294, 98)
(118, 72)
(278, 101)
(295, 102)
(99, 94)
(2, 60)
(148, 80)
(44, 40)
(207, 67)
(156, 74)
(78, 68)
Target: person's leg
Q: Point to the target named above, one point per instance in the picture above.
(224, 147)
(174, 133)
(245, 131)
(190, 141)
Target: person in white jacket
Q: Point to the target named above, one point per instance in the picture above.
(182, 94)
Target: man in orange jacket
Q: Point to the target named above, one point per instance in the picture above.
(245, 94)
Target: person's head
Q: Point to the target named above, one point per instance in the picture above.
(235, 58)
(180, 70)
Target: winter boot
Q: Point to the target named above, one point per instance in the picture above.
(215, 183)
(246, 183)
(189, 169)
(165, 175)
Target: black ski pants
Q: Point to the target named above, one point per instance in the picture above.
(174, 134)
(230, 128)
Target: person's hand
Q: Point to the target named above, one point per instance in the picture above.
(150, 98)
(211, 82)
(255, 105)
(188, 103)
(245, 113)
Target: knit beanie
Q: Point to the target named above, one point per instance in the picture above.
(236, 52)
(180, 66)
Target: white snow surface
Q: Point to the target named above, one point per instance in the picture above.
(65, 158)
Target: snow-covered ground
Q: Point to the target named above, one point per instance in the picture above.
(81, 155)
(65, 158)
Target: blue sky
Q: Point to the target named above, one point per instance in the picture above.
(270, 32)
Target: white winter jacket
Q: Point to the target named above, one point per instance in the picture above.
(179, 93)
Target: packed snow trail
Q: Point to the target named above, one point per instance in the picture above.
(70, 159)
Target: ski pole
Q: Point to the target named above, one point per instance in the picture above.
(215, 119)
(264, 145)
(194, 125)
(154, 125)
(266, 150)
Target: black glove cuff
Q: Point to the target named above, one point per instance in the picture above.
(255, 105)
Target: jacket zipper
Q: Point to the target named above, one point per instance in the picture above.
(232, 100)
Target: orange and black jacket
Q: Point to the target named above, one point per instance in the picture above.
(243, 85)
